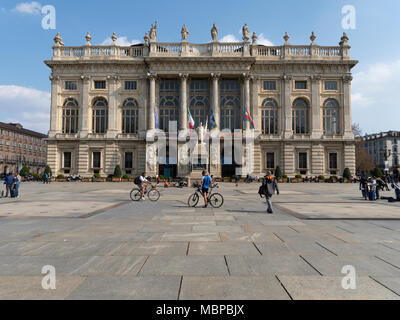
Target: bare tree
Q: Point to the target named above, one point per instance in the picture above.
(364, 161)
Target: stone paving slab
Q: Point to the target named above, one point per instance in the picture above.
(232, 288)
(222, 249)
(188, 265)
(128, 288)
(262, 265)
(151, 249)
(30, 287)
(330, 288)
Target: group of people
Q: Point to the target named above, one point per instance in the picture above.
(12, 182)
(371, 187)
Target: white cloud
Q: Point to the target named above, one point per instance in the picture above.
(28, 106)
(264, 41)
(229, 38)
(121, 41)
(375, 102)
(29, 7)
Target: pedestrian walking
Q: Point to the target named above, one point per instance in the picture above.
(9, 182)
(268, 188)
(18, 180)
(364, 187)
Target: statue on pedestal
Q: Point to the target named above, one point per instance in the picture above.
(185, 33)
(214, 33)
(153, 32)
(246, 33)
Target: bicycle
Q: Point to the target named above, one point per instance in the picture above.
(152, 193)
(215, 199)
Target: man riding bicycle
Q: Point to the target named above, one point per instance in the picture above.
(205, 186)
(144, 183)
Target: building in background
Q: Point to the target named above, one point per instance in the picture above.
(105, 98)
(21, 147)
(384, 149)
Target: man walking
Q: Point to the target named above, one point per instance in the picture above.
(9, 182)
(268, 188)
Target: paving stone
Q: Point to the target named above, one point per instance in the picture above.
(185, 265)
(217, 229)
(232, 288)
(30, 287)
(190, 237)
(222, 248)
(128, 288)
(268, 265)
(330, 288)
(391, 283)
(151, 248)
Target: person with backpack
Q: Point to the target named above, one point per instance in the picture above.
(205, 187)
(9, 182)
(143, 184)
(268, 188)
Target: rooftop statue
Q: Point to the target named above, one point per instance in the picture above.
(214, 33)
(185, 33)
(246, 33)
(153, 32)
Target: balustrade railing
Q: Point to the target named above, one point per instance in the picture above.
(208, 49)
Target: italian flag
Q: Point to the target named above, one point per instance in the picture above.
(190, 120)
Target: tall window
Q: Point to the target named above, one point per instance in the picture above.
(169, 103)
(333, 163)
(130, 116)
(230, 105)
(270, 160)
(100, 115)
(300, 117)
(331, 117)
(269, 117)
(128, 162)
(199, 101)
(302, 160)
(70, 116)
(96, 160)
(67, 160)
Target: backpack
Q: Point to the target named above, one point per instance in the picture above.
(137, 181)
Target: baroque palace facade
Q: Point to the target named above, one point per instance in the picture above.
(105, 98)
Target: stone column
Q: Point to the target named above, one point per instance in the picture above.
(84, 107)
(183, 119)
(152, 102)
(246, 124)
(113, 107)
(286, 107)
(54, 118)
(316, 131)
(255, 109)
(215, 98)
(347, 125)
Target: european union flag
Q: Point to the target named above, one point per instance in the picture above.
(213, 123)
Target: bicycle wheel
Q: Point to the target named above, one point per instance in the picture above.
(216, 200)
(193, 200)
(136, 195)
(154, 195)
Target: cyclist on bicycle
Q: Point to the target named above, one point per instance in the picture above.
(205, 185)
(144, 183)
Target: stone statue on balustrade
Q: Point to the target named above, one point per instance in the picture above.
(153, 33)
(185, 33)
(246, 33)
(214, 33)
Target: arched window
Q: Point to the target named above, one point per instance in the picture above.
(300, 117)
(331, 117)
(269, 116)
(230, 105)
(199, 101)
(100, 115)
(70, 116)
(130, 116)
(169, 103)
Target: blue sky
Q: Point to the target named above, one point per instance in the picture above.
(24, 79)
